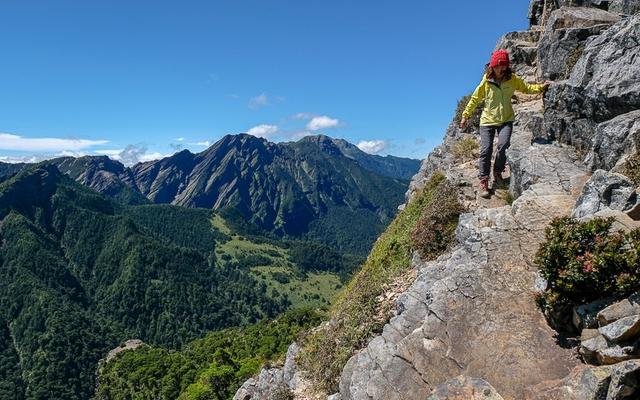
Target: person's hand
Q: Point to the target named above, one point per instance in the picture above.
(546, 84)
(463, 122)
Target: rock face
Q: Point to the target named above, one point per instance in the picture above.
(614, 141)
(458, 318)
(564, 37)
(604, 84)
(605, 190)
(470, 313)
(465, 388)
(614, 382)
(444, 329)
(267, 385)
(522, 47)
(103, 175)
(624, 6)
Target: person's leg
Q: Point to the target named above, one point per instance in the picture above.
(504, 141)
(486, 148)
(484, 163)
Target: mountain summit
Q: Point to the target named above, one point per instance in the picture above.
(306, 188)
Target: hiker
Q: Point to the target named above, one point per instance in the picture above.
(496, 89)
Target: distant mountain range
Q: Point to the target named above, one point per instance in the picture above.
(87, 258)
(322, 188)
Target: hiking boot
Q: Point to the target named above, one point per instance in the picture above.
(498, 181)
(484, 187)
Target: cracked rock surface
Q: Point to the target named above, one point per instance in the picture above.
(471, 311)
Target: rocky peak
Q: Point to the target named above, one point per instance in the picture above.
(468, 324)
(325, 144)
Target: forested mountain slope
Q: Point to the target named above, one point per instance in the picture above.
(80, 272)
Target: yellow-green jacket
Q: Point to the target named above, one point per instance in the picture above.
(497, 99)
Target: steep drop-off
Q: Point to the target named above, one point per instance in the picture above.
(468, 327)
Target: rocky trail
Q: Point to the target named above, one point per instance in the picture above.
(468, 326)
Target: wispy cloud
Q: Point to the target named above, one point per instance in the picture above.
(372, 146)
(180, 139)
(132, 154)
(263, 131)
(322, 122)
(34, 158)
(419, 141)
(304, 115)
(15, 142)
(205, 143)
(260, 100)
(300, 135)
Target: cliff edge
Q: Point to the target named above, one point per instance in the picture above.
(467, 327)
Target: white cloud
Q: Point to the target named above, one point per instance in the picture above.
(132, 154)
(372, 146)
(67, 153)
(263, 131)
(260, 100)
(113, 152)
(180, 139)
(322, 122)
(24, 159)
(152, 156)
(300, 135)
(304, 115)
(15, 142)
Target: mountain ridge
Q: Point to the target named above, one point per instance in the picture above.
(467, 325)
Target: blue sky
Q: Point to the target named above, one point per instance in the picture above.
(146, 78)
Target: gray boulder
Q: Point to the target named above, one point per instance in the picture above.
(621, 330)
(611, 382)
(621, 309)
(614, 140)
(579, 17)
(615, 354)
(522, 47)
(564, 37)
(290, 369)
(624, 381)
(263, 387)
(624, 6)
(590, 348)
(605, 190)
(539, 12)
(604, 83)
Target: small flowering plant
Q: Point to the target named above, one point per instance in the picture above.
(585, 261)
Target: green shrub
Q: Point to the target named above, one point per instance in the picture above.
(435, 230)
(585, 261)
(355, 316)
(466, 149)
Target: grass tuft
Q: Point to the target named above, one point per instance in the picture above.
(355, 314)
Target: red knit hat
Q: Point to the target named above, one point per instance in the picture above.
(499, 57)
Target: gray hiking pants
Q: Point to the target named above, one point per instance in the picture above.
(486, 147)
